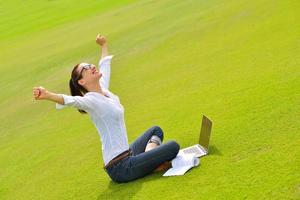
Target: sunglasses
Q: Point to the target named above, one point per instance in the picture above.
(84, 67)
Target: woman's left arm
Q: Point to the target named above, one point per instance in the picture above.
(101, 40)
(104, 63)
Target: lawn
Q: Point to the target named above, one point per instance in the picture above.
(238, 62)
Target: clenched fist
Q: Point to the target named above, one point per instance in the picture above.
(100, 39)
(39, 93)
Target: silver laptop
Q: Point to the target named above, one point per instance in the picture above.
(201, 149)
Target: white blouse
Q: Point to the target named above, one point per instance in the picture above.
(107, 114)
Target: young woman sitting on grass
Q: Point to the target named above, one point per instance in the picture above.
(90, 94)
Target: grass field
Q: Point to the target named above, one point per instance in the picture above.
(236, 61)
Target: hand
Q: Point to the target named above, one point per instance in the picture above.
(100, 39)
(40, 93)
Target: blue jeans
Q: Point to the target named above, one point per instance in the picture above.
(142, 163)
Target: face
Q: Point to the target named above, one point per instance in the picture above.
(88, 73)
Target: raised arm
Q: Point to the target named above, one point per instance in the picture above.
(101, 40)
(104, 63)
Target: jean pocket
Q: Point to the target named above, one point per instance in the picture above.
(114, 170)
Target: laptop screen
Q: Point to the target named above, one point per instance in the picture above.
(205, 132)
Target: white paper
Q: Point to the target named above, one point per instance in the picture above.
(182, 163)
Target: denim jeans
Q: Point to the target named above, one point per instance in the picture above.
(142, 163)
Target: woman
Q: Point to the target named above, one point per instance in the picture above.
(90, 94)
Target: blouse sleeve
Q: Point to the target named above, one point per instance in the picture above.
(104, 67)
(83, 103)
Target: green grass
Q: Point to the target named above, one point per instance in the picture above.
(235, 61)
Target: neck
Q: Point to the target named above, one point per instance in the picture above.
(95, 88)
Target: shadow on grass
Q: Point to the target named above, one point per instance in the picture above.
(213, 150)
(122, 191)
(126, 191)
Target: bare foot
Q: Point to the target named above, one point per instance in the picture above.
(163, 167)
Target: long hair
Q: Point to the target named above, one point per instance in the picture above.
(75, 88)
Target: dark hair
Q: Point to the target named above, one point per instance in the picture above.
(75, 88)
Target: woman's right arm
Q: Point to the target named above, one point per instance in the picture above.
(40, 93)
(85, 103)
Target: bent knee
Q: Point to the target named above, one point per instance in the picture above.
(159, 132)
(157, 128)
(175, 146)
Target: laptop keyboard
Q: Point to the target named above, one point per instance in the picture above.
(192, 150)
(195, 150)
